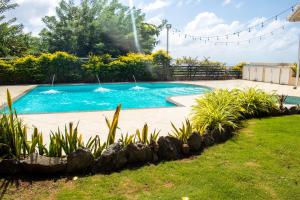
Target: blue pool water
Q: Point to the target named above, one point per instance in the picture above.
(292, 100)
(91, 97)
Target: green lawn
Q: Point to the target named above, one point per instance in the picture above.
(262, 162)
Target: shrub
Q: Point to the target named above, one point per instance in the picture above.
(216, 111)
(97, 65)
(161, 57)
(124, 67)
(255, 102)
(6, 72)
(223, 109)
(27, 70)
(66, 67)
(239, 66)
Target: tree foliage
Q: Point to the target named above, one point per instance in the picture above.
(97, 27)
(13, 42)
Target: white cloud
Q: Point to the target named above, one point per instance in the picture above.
(30, 13)
(279, 47)
(155, 5)
(156, 20)
(226, 2)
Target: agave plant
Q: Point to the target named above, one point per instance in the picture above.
(182, 133)
(113, 126)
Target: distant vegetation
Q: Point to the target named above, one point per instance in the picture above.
(205, 62)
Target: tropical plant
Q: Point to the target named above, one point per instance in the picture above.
(112, 126)
(281, 101)
(126, 140)
(55, 147)
(37, 144)
(216, 111)
(95, 146)
(255, 102)
(13, 133)
(144, 136)
(182, 133)
(69, 141)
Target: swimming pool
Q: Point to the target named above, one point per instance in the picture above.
(93, 97)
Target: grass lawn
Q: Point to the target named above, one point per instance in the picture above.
(262, 162)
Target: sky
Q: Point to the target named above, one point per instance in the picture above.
(204, 18)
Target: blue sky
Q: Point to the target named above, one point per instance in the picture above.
(203, 17)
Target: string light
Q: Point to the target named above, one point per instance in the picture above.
(261, 24)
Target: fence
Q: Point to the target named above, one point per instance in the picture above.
(203, 73)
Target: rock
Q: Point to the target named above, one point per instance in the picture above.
(195, 142)
(9, 167)
(185, 149)
(207, 140)
(138, 153)
(80, 161)
(154, 148)
(169, 148)
(37, 164)
(112, 159)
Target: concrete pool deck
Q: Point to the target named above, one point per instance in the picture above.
(92, 123)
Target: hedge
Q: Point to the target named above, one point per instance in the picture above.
(70, 69)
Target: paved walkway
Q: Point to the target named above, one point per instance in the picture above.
(91, 123)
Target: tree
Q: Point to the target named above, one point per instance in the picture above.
(97, 27)
(13, 42)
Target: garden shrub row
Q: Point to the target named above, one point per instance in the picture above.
(70, 69)
(215, 118)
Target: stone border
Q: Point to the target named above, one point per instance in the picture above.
(117, 157)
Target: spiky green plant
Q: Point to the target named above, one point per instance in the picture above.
(126, 140)
(69, 141)
(154, 136)
(281, 101)
(144, 136)
(13, 133)
(182, 133)
(113, 126)
(216, 111)
(55, 147)
(36, 143)
(255, 102)
(95, 146)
